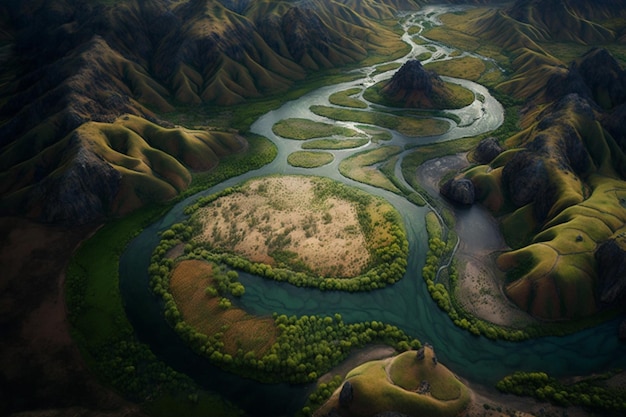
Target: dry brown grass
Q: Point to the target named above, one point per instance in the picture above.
(282, 214)
(188, 282)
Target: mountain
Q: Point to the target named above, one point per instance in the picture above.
(72, 69)
(559, 189)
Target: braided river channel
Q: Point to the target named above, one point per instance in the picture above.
(406, 304)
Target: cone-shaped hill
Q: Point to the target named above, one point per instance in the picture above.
(415, 86)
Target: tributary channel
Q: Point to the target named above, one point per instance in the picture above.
(405, 304)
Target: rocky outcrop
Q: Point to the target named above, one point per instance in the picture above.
(346, 395)
(460, 191)
(82, 193)
(411, 78)
(487, 150)
(611, 258)
(596, 76)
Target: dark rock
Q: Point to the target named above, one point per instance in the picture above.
(412, 77)
(460, 191)
(611, 259)
(524, 177)
(604, 76)
(487, 150)
(614, 123)
(346, 395)
(83, 191)
(596, 77)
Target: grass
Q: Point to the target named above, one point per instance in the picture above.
(360, 168)
(468, 68)
(240, 330)
(105, 336)
(309, 159)
(98, 321)
(334, 143)
(390, 385)
(302, 129)
(405, 125)
(345, 99)
(387, 67)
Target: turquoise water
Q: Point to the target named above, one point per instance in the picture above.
(406, 304)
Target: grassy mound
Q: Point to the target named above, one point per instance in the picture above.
(303, 129)
(346, 99)
(412, 383)
(360, 167)
(308, 159)
(334, 143)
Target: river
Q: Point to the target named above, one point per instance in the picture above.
(405, 304)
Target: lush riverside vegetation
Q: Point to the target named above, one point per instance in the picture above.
(99, 323)
(596, 393)
(379, 222)
(346, 99)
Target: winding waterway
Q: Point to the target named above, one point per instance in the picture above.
(405, 304)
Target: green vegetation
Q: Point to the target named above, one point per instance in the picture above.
(334, 143)
(594, 393)
(405, 125)
(411, 383)
(360, 167)
(106, 337)
(302, 129)
(306, 159)
(98, 321)
(376, 134)
(469, 68)
(293, 349)
(386, 67)
(345, 99)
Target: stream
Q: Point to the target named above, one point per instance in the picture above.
(405, 304)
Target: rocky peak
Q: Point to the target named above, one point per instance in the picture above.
(597, 76)
(487, 150)
(413, 77)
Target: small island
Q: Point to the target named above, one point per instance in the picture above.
(413, 86)
(307, 231)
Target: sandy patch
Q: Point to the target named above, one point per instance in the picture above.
(479, 289)
(282, 214)
(479, 292)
